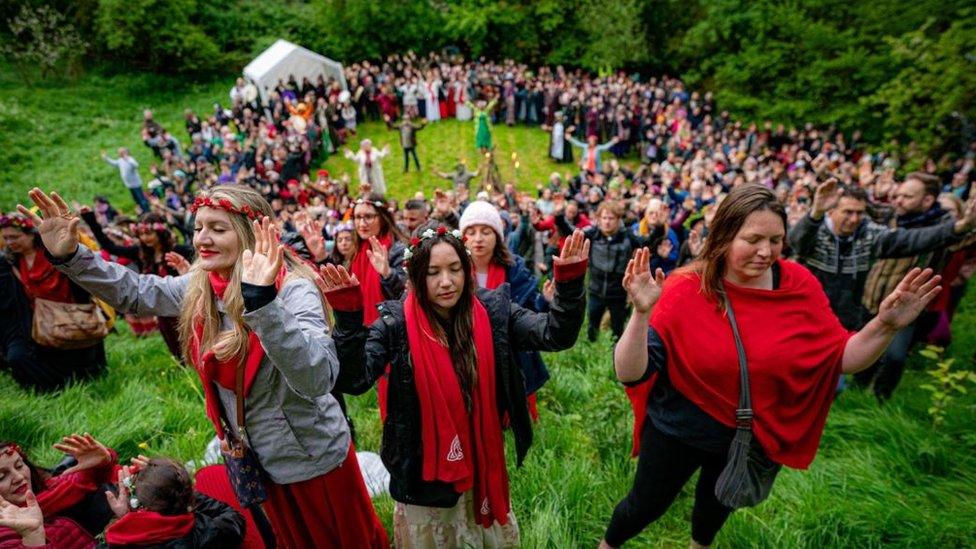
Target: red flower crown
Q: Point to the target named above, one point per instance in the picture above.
(224, 204)
(11, 449)
(16, 220)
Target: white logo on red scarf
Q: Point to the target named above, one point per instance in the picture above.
(485, 509)
(455, 453)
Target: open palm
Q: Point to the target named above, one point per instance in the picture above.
(21, 519)
(56, 224)
(261, 266)
(909, 299)
(88, 452)
(643, 290)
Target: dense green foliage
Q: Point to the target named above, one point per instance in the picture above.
(896, 69)
(883, 476)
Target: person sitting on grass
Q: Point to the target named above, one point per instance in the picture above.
(155, 506)
(26, 276)
(70, 500)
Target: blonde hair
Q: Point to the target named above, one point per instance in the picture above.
(200, 302)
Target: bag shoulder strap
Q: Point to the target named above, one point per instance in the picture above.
(743, 415)
(239, 388)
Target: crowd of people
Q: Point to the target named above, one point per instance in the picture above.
(287, 287)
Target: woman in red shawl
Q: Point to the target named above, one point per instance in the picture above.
(71, 503)
(377, 262)
(27, 275)
(794, 345)
(453, 379)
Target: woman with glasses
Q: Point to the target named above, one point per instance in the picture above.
(377, 262)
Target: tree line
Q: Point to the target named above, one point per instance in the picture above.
(900, 71)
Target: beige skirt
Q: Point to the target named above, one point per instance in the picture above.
(418, 527)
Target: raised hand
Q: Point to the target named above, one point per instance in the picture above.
(825, 197)
(27, 521)
(379, 256)
(549, 290)
(177, 262)
(88, 452)
(695, 243)
(120, 503)
(332, 278)
(56, 224)
(442, 203)
(908, 300)
(967, 222)
(261, 266)
(311, 231)
(642, 290)
(576, 248)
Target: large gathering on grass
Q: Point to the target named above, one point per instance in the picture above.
(467, 274)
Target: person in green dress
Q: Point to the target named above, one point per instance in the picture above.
(482, 130)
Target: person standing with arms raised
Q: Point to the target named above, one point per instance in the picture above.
(253, 324)
(793, 348)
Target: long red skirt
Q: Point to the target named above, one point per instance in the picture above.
(332, 510)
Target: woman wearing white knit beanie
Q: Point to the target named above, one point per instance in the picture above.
(495, 265)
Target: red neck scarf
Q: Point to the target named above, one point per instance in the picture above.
(794, 346)
(42, 280)
(497, 275)
(225, 373)
(146, 527)
(369, 279)
(461, 448)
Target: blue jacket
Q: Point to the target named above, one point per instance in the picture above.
(524, 288)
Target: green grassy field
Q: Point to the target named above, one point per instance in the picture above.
(883, 476)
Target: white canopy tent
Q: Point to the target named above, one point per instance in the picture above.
(283, 60)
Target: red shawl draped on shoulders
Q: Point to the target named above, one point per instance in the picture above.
(794, 345)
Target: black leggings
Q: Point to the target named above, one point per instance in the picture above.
(663, 467)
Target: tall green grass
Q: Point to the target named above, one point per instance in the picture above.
(883, 476)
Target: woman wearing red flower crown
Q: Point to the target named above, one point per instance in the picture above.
(25, 276)
(248, 306)
(453, 378)
(156, 253)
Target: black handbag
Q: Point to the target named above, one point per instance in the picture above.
(749, 474)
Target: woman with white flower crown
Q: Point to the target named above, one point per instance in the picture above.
(454, 383)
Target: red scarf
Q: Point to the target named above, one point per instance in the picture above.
(146, 527)
(225, 373)
(463, 449)
(42, 280)
(794, 345)
(497, 275)
(372, 290)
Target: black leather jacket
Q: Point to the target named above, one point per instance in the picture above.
(364, 352)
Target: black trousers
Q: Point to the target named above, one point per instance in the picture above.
(406, 158)
(663, 467)
(596, 305)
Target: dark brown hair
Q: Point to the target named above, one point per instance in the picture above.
(742, 201)
(164, 486)
(387, 223)
(456, 330)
